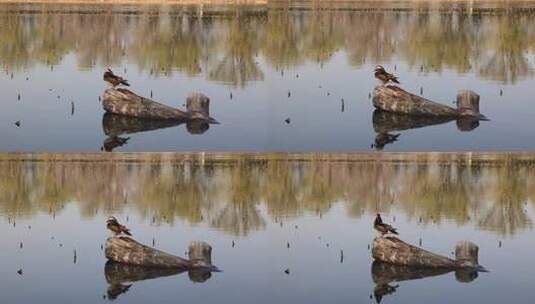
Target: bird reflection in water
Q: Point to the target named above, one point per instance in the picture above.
(384, 138)
(113, 142)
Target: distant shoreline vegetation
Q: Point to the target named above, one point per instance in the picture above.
(300, 3)
(225, 45)
(462, 158)
(242, 195)
(104, 2)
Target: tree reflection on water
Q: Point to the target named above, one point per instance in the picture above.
(224, 47)
(230, 196)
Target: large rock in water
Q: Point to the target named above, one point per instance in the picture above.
(127, 103)
(127, 251)
(394, 99)
(394, 251)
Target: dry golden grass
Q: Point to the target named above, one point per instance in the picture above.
(178, 2)
(252, 2)
(465, 158)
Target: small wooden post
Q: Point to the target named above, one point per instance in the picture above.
(200, 251)
(466, 253)
(468, 103)
(198, 106)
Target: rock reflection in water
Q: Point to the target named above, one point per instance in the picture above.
(113, 142)
(383, 275)
(116, 125)
(120, 277)
(385, 123)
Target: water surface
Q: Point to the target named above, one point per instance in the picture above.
(309, 64)
(319, 208)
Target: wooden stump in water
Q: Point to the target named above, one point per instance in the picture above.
(126, 250)
(394, 99)
(198, 106)
(466, 254)
(201, 251)
(127, 103)
(468, 103)
(394, 251)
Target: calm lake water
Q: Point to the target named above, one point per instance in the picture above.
(48, 210)
(277, 62)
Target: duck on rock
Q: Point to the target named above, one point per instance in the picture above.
(113, 225)
(384, 76)
(383, 228)
(113, 79)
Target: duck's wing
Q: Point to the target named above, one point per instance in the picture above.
(381, 228)
(125, 230)
(391, 229)
(393, 78)
(124, 81)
